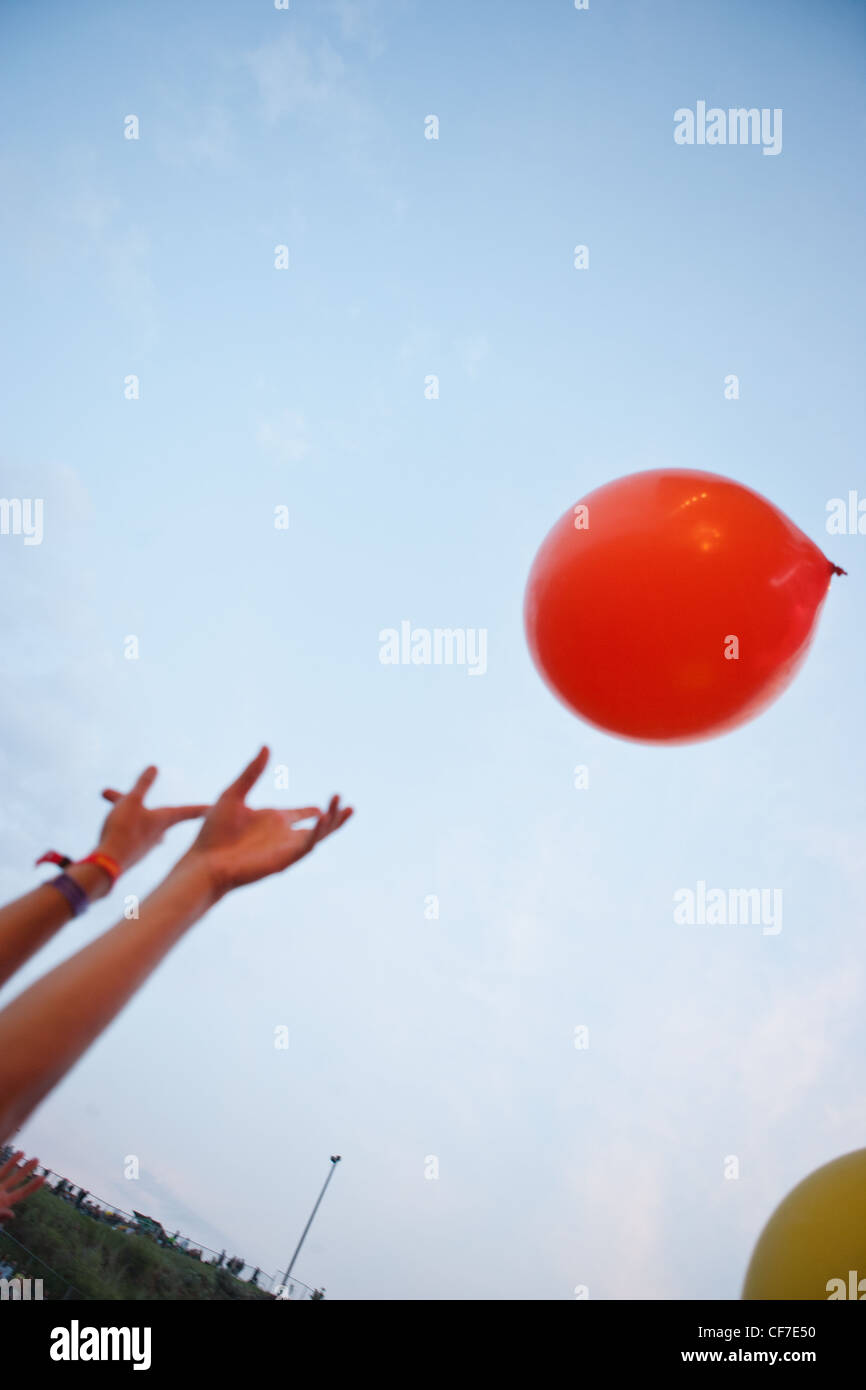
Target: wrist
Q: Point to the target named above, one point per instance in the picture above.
(119, 856)
(108, 863)
(95, 882)
(197, 872)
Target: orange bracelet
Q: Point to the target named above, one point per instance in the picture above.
(104, 862)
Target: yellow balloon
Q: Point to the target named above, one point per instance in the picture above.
(814, 1244)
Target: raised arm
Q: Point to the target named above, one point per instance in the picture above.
(129, 832)
(45, 1031)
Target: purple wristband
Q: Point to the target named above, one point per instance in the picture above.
(72, 892)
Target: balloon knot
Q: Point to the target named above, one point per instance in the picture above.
(836, 569)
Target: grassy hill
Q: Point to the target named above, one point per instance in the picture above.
(104, 1264)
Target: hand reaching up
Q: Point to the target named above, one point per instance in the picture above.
(239, 845)
(131, 829)
(13, 1188)
(47, 1029)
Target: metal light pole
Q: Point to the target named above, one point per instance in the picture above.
(335, 1159)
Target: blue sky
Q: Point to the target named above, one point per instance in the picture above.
(558, 1167)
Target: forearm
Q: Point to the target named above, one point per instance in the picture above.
(29, 922)
(47, 1029)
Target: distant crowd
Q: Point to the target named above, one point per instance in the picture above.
(135, 1224)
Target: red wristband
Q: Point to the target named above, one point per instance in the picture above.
(52, 857)
(105, 862)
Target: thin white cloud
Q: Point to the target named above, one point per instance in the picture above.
(471, 352)
(284, 435)
(290, 78)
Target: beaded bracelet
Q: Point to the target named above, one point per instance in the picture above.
(72, 892)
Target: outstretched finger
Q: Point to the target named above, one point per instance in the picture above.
(173, 815)
(324, 821)
(250, 775)
(328, 822)
(21, 1192)
(334, 822)
(301, 813)
(11, 1163)
(144, 783)
(24, 1171)
(111, 795)
(340, 818)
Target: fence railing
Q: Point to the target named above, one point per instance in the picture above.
(17, 1262)
(99, 1210)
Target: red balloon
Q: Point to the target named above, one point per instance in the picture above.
(673, 605)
